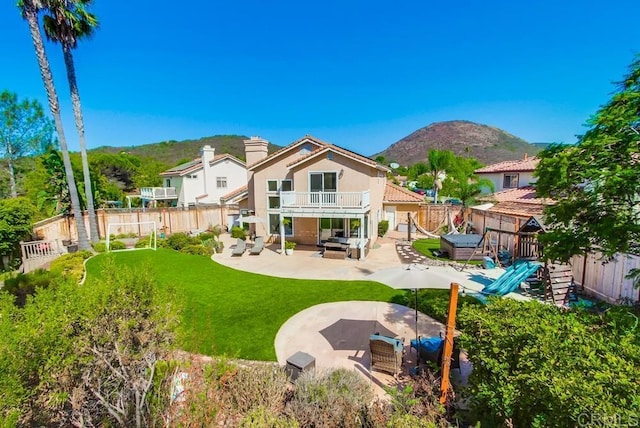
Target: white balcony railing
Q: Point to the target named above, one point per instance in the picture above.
(324, 199)
(158, 193)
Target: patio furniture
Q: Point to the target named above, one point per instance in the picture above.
(258, 246)
(299, 362)
(430, 349)
(387, 353)
(241, 246)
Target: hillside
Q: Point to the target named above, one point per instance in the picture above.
(485, 143)
(174, 152)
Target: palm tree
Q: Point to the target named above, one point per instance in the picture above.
(66, 22)
(30, 9)
(439, 161)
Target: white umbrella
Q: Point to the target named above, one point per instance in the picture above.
(412, 277)
(252, 219)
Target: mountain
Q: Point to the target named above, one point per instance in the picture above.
(486, 143)
(174, 152)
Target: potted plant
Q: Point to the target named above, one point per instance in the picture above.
(288, 247)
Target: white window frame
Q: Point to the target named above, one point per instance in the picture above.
(511, 176)
(221, 182)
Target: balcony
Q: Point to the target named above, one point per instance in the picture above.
(158, 193)
(329, 201)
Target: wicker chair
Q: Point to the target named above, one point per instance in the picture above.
(387, 354)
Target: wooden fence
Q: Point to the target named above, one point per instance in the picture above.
(168, 220)
(432, 217)
(607, 280)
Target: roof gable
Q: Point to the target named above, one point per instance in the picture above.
(307, 139)
(226, 156)
(184, 168)
(344, 152)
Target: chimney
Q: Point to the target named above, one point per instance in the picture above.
(207, 153)
(255, 149)
(526, 156)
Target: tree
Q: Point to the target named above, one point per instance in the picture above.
(596, 183)
(467, 188)
(16, 215)
(24, 131)
(30, 10)
(66, 22)
(439, 161)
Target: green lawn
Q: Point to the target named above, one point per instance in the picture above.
(235, 313)
(428, 246)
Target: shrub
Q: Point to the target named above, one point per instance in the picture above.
(538, 365)
(117, 245)
(70, 266)
(142, 243)
(289, 245)
(258, 386)
(205, 236)
(238, 232)
(179, 240)
(335, 398)
(23, 285)
(260, 417)
(383, 227)
(99, 247)
(197, 250)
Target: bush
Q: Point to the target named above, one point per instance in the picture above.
(383, 227)
(70, 266)
(289, 245)
(334, 398)
(260, 417)
(205, 236)
(142, 243)
(117, 245)
(538, 365)
(238, 232)
(262, 386)
(23, 285)
(99, 247)
(179, 240)
(197, 250)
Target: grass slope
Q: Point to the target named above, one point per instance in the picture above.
(235, 313)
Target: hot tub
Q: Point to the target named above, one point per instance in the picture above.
(461, 247)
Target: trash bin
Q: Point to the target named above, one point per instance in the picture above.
(488, 263)
(299, 362)
(73, 248)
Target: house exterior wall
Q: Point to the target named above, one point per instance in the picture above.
(353, 176)
(235, 174)
(192, 185)
(402, 210)
(525, 178)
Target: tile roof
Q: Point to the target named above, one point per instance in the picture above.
(521, 201)
(235, 193)
(522, 165)
(345, 152)
(287, 148)
(184, 167)
(395, 193)
(222, 156)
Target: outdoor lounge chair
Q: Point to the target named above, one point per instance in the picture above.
(387, 354)
(240, 247)
(258, 246)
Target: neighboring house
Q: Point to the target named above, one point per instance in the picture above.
(206, 180)
(310, 191)
(398, 203)
(509, 174)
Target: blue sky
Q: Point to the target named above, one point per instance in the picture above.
(360, 74)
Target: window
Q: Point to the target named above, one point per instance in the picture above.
(168, 183)
(274, 202)
(323, 182)
(221, 182)
(191, 176)
(280, 185)
(274, 224)
(510, 181)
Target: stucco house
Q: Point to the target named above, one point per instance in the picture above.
(311, 191)
(399, 203)
(210, 179)
(509, 174)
